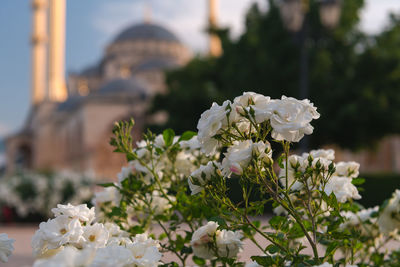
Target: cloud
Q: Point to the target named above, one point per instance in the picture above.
(188, 19)
(375, 14)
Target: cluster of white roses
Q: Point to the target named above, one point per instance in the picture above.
(208, 242)
(73, 238)
(6, 247)
(289, 118)
(37, 193)
(339, 183)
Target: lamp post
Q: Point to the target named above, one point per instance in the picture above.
(294, 14)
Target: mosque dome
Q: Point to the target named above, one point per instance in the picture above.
(146, 31)
(131, 87)
(156, 64)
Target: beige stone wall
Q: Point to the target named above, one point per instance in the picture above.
(385, 158)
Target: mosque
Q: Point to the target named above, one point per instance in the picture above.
(70, 121)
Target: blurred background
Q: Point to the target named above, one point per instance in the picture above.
(70, 69)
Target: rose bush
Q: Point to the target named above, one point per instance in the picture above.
(179, 184)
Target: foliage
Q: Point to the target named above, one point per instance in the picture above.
(32, 195)
(181, 184)
(348, 72)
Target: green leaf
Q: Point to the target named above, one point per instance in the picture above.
(106, 184)
(168, 136)
(199, 261)
(358, 181)
(272, 249)
(187, 135)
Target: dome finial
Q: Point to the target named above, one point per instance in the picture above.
(147, 13)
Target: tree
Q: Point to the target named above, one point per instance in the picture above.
(354, 78)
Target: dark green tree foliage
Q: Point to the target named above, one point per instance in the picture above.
(354, 79)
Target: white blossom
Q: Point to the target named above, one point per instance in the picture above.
(210, 123)
(202, 175)
(61, 230)
(6, 247)
(96, 235)
(290, 118)
(342, 188)
(389, 218)
(239, 155)
(349, 169)
(81, 212)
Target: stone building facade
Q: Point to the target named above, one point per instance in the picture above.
(74, 134)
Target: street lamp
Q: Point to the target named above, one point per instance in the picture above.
(294, 16)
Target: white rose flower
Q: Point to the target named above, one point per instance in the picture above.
(81, 212)
(61, 230)
(389, 218)
(229, 243)
(290, 118)
(259, 103)
(252, 264)
(96, 236)
(184, 163)
(210, 123)
(67, 257)
(202, 175)
(201, 239)
(145, 251)
(240, 154)
(192, 144)
(108, 194)
(124, 173)
(328, 154)
(113, 256)
(6, 247)
(349, 169)
(342, 188)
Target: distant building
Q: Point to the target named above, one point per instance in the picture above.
(69, 126)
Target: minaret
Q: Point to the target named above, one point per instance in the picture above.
(39, 41)
(57, 88)
(215, 48)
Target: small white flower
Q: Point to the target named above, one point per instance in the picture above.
(81, 212)
(201, 239)
(229, 243)
(145, 251)
(290, 118)
(6, 247)
(239, 155)
(210, 123)
(349, 169)
(96, 235)
(328, 154)
(202, 175)
(124, 173)
(109, 194)
(112, 256)
(67, 257)
(61, 230)
(342, 188)
(252, 264)
(389, 218)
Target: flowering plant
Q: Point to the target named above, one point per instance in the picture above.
(34, 194)
(180, 184)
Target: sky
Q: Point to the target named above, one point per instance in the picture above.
(92, 24)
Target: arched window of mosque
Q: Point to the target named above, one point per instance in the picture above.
(125, 71)
(83, 87)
